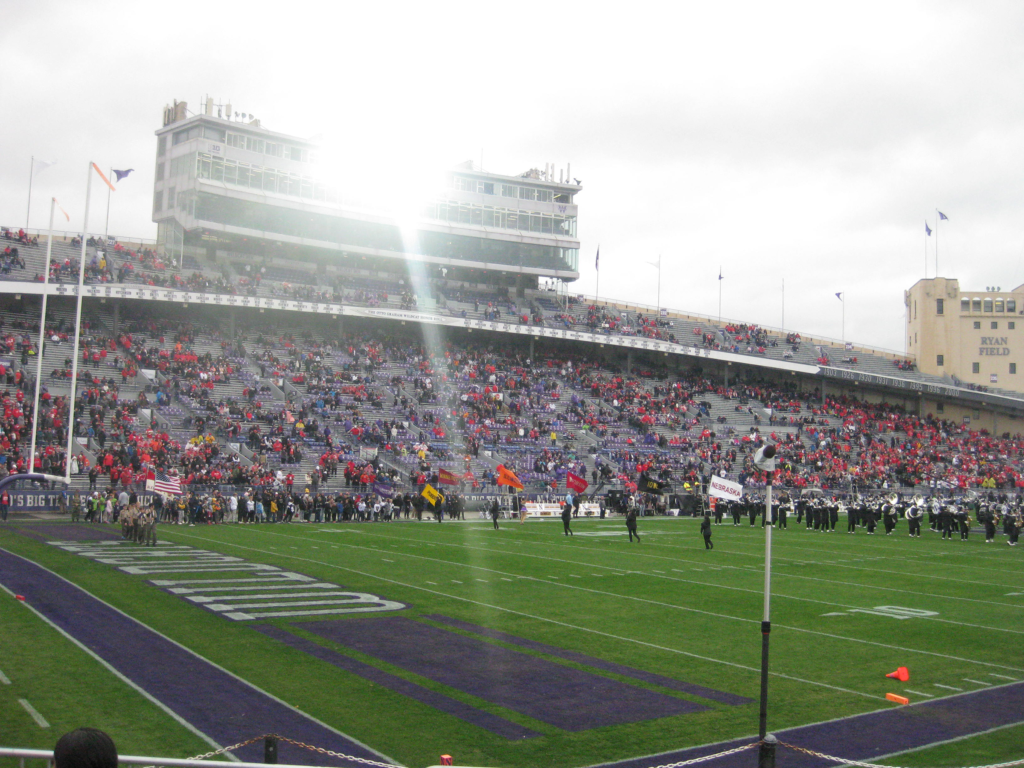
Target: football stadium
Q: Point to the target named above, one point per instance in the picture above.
(305, 480)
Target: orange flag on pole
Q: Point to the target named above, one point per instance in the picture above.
(508, 477)
(105, 179)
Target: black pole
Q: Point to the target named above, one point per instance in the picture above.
(766, 624)
(766, 752)
(270, 749)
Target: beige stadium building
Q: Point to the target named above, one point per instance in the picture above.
(973, 337)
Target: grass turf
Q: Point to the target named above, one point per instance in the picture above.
(665, 606)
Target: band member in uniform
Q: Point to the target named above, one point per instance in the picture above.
(946, 521)
(833, 516)
(631, 524)
(891, 514)
(851, 518)
(734, 508)
(719, 510)
(988, 517)
(1014, 527)
(705, 531)
(963, 519)
(914, 520)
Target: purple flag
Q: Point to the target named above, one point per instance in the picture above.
(927, 229)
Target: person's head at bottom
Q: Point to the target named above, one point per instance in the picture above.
(85, 748)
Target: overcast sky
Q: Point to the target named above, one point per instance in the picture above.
(797, 142)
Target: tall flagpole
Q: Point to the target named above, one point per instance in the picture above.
(106, 226)
(783, 305)
(78, 329)
(844, 319)
(597, 268)
(31, 170)
(719, 294)
(936, 242)
(42, 341)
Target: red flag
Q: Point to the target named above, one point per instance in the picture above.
(575, 483)
(508, 477)
(444, 477)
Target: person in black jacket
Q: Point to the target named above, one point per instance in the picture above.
(631, 524)
(495, 512)
(705, 531)
(567, 518)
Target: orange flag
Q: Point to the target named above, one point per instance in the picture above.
(508, 477)
(105, 179)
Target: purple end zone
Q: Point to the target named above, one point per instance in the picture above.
(71, 532)
(461, 710)
(607, 666)
(551, 693)
(870, 736)
(223, 707)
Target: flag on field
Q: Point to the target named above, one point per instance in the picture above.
(508, 477)
(575, 483)
(839, 295)
(105, 179)
(725, 489)
(927, 229)
(597, 259)
(383, 490)
(430, 494)
(649, 485)
(161, 482)
(942, 216)
(444, 477)
(118, 175)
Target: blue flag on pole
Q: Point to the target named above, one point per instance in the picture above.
(927, 229)
(597, 259)
(943, 216)
(118, 175)
(839, 295)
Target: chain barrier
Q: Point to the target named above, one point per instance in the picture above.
(321, 750)
(680, 764)
(860, 764)
(705, 758)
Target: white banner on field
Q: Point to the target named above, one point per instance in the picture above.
(725, 489)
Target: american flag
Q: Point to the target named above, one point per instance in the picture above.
(161, 482)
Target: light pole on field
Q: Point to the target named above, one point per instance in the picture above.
(764, 460)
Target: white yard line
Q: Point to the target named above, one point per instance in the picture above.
(40, 720)
(920, 693)
(947, 687)
(4, 679)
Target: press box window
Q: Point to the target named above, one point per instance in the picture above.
(1011, 306)
(995, 326)
(940, 360)
(999, 305)
(939, 306)
(1013, 369)
(158, 200)
(975, 367)
(975, 305)
(977, 325)
(965, 305)
(988, 305)
(1011, 325)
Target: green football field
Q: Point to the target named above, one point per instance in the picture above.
(846, 610)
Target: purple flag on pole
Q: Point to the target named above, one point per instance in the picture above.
(118, 175)
(927, 229)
